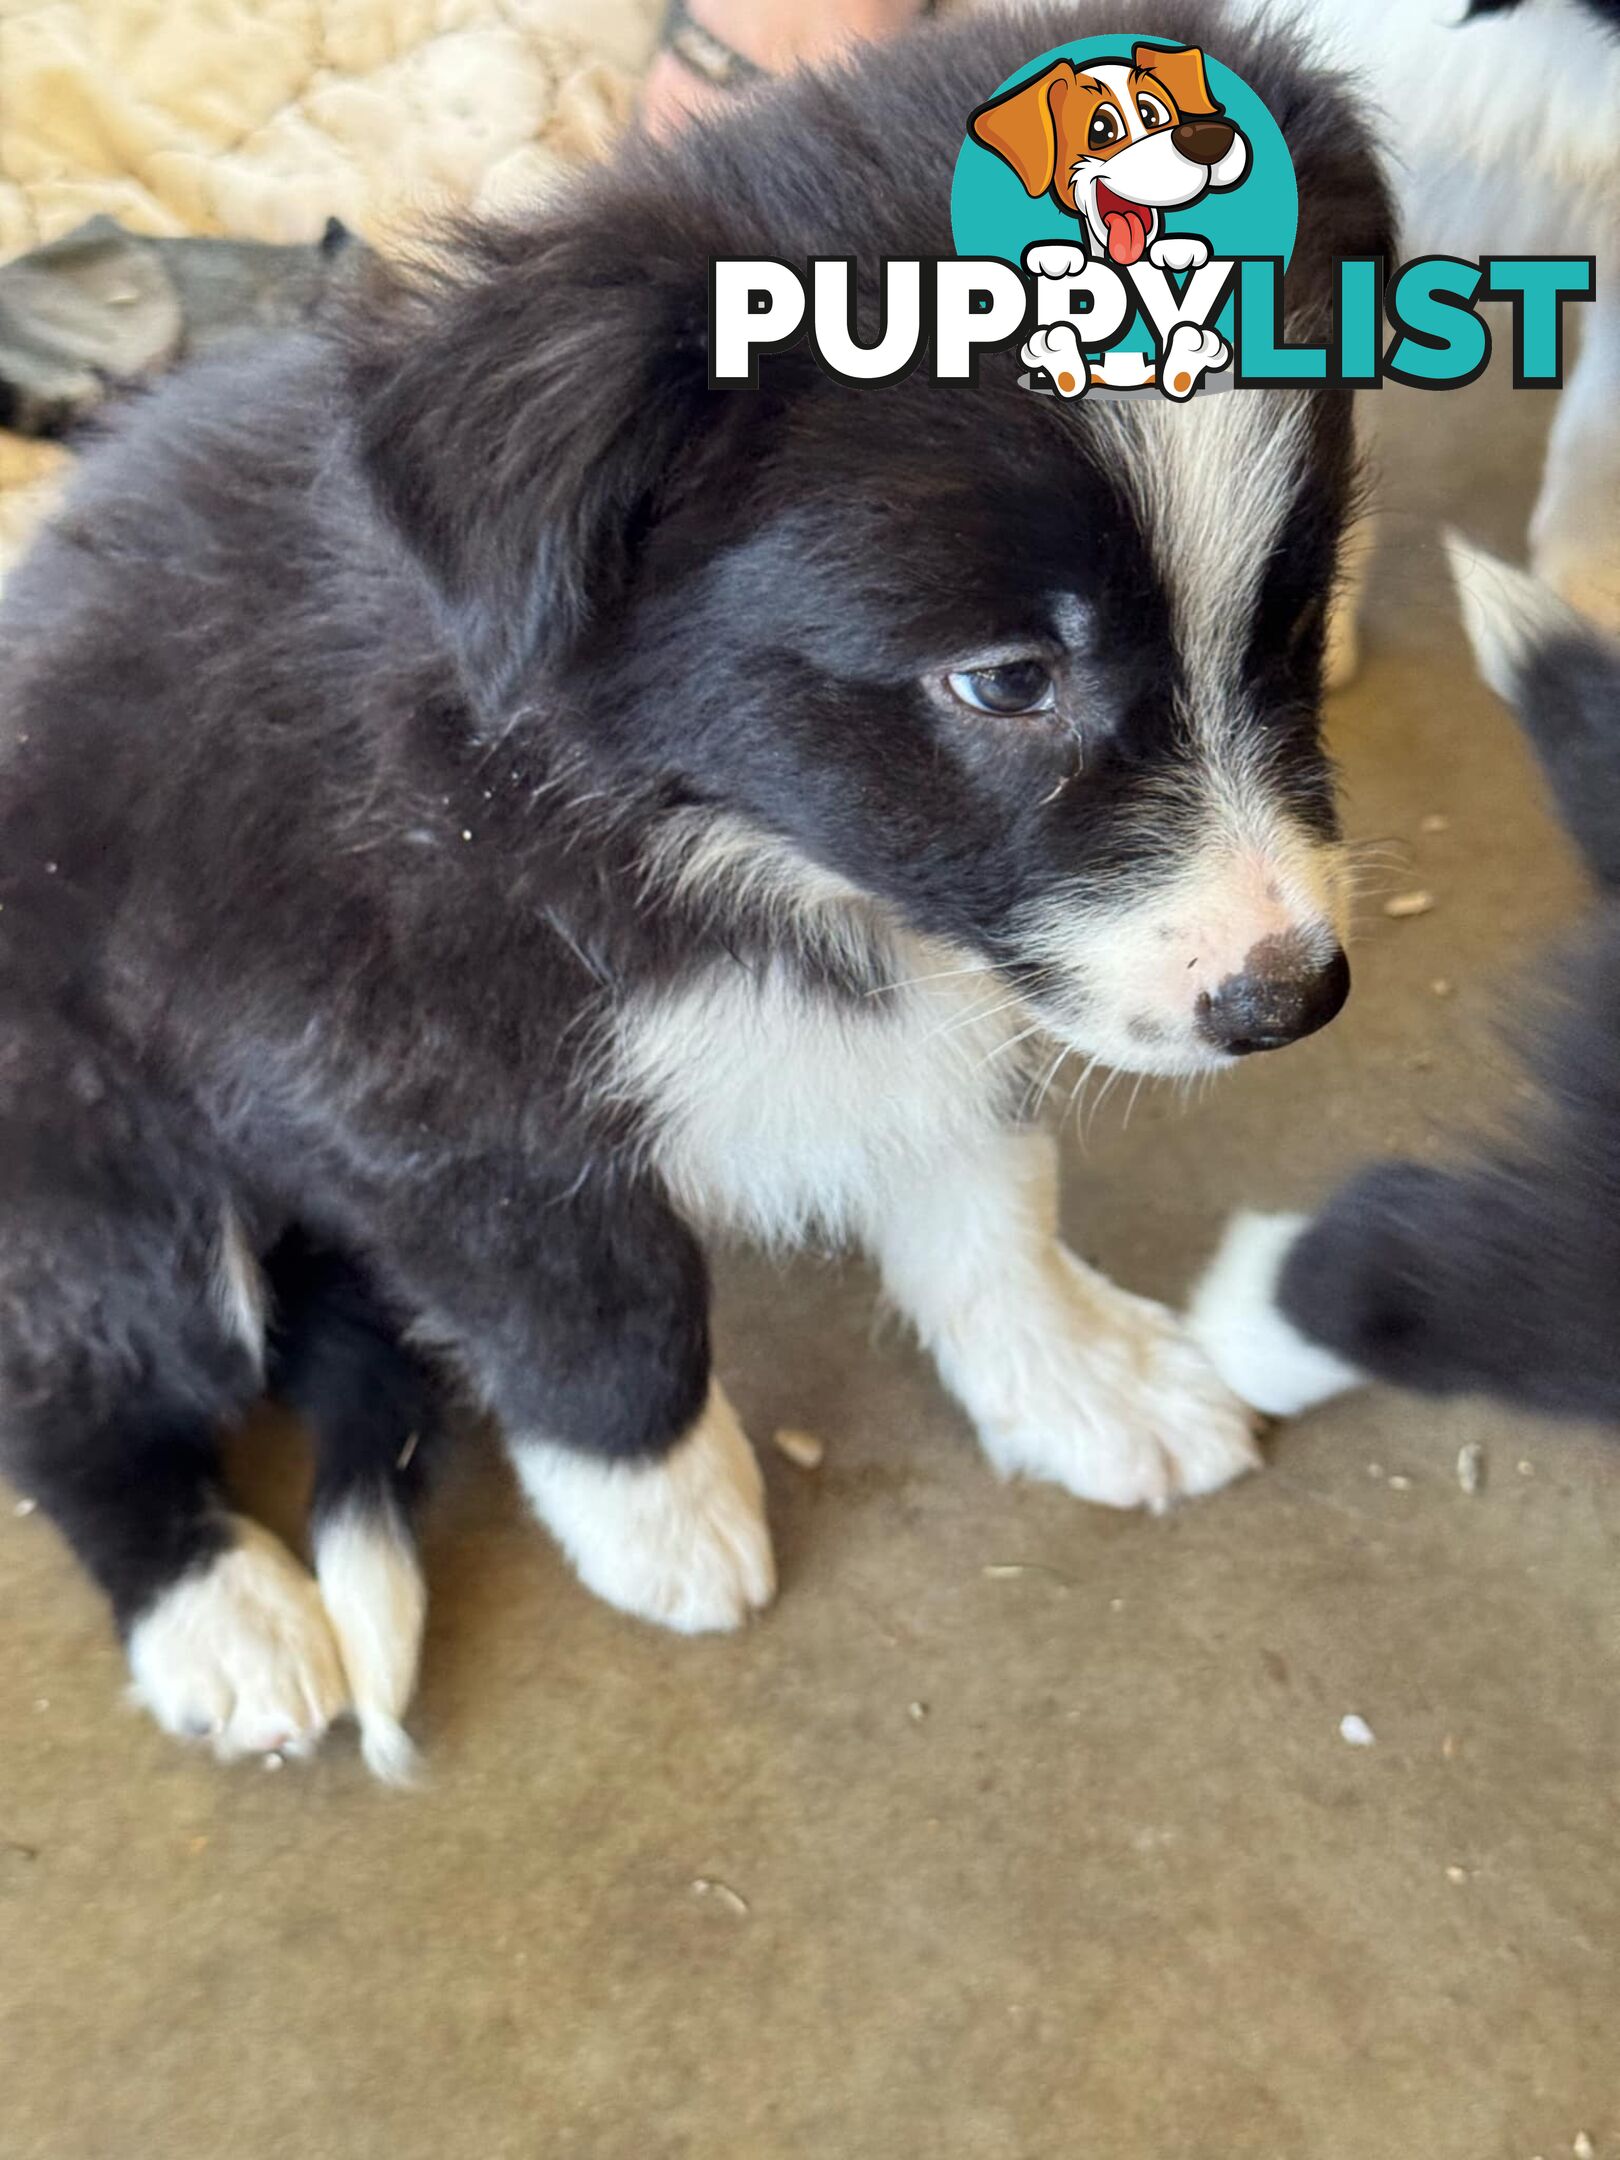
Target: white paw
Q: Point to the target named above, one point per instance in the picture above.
(1259, 1354)
(241, 1654)
(682, 1541)
(372, 1588)
(1057, 350)
(1123, 1408)
(1179, 251)
(1055, 259)
(1189, 355)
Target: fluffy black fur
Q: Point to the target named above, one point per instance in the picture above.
(1501, 1274)
(349, 708)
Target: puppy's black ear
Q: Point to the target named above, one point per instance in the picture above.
(521, 408)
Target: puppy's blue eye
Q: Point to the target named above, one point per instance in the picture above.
(1018, 686)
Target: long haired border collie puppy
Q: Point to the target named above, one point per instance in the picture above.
(1498, 1274)
(480, 807)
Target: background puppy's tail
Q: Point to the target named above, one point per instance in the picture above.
(1561, 675)
(377, 1412)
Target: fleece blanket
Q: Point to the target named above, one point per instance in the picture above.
(260, 119)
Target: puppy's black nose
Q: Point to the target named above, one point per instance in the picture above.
(1279, 996)
(1206, 142)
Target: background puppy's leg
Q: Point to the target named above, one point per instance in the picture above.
(377, 1413)
(1575, 529)
(1498, 1276)
(582, 1315)
(1502, 1275)
(1067, 1377)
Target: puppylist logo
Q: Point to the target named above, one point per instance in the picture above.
(1124, 210)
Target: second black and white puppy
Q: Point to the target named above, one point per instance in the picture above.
(1497, 1274)
(479, 806)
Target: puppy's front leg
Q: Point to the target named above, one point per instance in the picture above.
(1068, 1378)
(580, 1310)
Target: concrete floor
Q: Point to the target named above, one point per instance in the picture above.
(1118, 1888)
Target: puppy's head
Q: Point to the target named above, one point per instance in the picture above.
(1118, 142)
(1036, 681)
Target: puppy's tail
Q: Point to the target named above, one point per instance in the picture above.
(1561, 675)
(377, 1412)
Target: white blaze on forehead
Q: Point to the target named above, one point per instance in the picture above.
(1212, 482)
(1229, 864)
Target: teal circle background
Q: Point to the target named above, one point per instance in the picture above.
(991, 214)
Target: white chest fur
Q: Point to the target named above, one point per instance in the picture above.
(776, 1110)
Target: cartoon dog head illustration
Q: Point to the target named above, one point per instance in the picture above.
(1118, 142)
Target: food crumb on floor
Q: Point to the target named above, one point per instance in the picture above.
(916, 1711)
(1456, 1874)
(1471, 1468)
(1583, 2148)
(25, 1507)
(799, 1447)
(1356, 1730)
(710, 1886)
(1401, 906)
(1435, 822)
(1009, 1570)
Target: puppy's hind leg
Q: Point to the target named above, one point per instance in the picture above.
(128, 1341)
(377, 1413)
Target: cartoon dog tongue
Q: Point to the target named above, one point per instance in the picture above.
(1127, 225)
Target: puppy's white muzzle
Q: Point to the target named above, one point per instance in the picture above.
(1242, 952)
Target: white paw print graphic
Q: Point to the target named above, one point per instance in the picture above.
(1057, 350)
(1188, 357)
(1179, 251)
(1055, 259)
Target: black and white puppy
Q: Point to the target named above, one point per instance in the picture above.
(1500, 1274)
(479, 807)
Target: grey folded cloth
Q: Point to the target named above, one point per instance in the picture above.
(103, 309)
